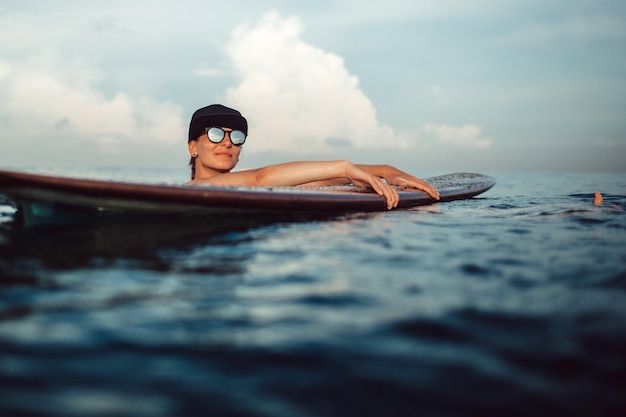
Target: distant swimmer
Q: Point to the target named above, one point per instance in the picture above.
(597, 199)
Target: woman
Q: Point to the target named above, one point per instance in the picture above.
(216, 134)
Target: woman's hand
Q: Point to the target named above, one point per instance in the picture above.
(394, 176)
(362, 178)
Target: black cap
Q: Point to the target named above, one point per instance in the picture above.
(216, 115)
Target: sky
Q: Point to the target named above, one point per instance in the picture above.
(428, 86)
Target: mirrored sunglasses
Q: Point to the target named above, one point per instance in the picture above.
(217, 134)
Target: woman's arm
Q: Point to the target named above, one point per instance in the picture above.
(298, 173)
(287, 174)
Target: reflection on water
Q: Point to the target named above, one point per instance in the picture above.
(509, 304)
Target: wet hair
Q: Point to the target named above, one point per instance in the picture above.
(192, 165)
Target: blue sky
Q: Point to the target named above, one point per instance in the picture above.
(429, 86)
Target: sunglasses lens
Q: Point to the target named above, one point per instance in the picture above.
(237, 137)
(215, 134)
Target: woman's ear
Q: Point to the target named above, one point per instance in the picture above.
(193, 151)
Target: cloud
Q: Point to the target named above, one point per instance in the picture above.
(43, 97)
(299, 98)
(466, 135)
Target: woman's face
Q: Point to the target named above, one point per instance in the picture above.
(220, 157)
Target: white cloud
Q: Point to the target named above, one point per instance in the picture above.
(466, 135)
(299, 98)
(41, 98)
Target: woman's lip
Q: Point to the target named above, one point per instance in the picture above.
(223, 154)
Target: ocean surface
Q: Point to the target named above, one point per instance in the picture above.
(512, 303)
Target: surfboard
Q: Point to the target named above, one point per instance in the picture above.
(45, 199)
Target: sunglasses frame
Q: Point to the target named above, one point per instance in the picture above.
(224, 134)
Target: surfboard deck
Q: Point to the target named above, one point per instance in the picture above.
(46, 199)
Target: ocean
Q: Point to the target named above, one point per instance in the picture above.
(512, 303)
